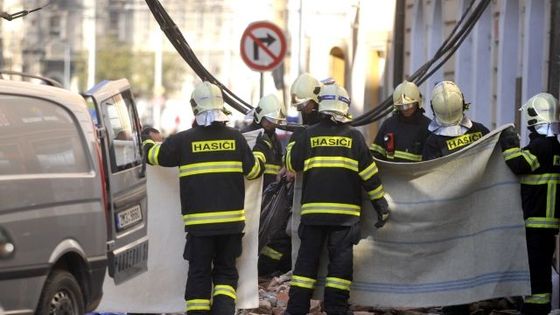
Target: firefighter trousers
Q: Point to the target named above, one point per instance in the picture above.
(276, 256)
(540, 248)
(339, 241)
(212, 262)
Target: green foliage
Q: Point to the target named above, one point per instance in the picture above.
(116, 60)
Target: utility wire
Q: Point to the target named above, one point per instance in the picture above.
(22, 13)
(458, 34)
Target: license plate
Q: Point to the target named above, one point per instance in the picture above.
(129, 217)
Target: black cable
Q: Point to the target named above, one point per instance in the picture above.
(446, 50)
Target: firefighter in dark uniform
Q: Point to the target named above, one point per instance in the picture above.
(268, 114)
(402, 136)
(336, 164)
(274, 256)
(211, 158)
(538, 164)
(277, 255)
(451, 131)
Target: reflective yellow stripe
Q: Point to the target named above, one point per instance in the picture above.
(377, 148)
(543, 298)
(225, 289)
(540, 179)
(153, 154)
(210, 167)
(148, 141)
(528, 156)
(271, 169)
(214, 217)
(197, 305)
(256, 169)
(271, 253)
(408, 156)
(289, 157)
(539, 222)
(551, 200)
(330, 208)
(259, 155)
(331, 161)
(376, 193)
(338, 283)
(303, 282)
(369, 171)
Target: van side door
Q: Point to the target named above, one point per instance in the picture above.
(118, 128)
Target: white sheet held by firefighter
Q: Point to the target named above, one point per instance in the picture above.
(456, 233)
(162, 288)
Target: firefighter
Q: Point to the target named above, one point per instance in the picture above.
(274, 256)
(401, 138)
(212, 158)
(451, 129)
(267, 115)
(304, 93)
(538, 164)
(336, 164)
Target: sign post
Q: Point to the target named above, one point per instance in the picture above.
(263, 47)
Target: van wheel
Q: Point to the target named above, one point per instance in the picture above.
(61, 295)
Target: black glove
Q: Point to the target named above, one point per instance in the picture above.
(263, 141)
(382, 208)
(509, 138)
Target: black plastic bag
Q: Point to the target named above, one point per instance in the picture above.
(275, 210)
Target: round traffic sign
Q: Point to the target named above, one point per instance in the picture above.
(263, 46)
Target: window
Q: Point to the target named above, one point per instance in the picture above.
(39, 137)
(123, 132)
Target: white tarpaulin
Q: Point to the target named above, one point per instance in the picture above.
(456, 233)
(161, 289)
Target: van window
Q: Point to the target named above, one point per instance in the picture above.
(39, 137)
(123, 132)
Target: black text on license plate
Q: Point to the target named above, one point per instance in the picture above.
(129, 217)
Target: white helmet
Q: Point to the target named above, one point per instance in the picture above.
(542, 108)
(448, 103)
(334, 99)
(407, 93)
(205, 97)
(305, 88)
(271, 108)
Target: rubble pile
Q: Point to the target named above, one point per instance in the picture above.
(273, 299)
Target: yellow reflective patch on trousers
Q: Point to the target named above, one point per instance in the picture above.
(330, 208)
(271, 253)
(226, 290)
(338, 283)
(197, 305)
(303, 282)
(542, 298)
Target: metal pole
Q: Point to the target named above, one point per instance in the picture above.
(262, 85)
(300, 38)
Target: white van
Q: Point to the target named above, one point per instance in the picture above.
(72, 195)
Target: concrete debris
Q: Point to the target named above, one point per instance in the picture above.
(273, 299)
